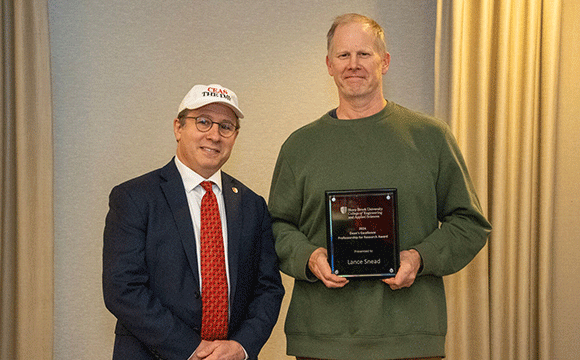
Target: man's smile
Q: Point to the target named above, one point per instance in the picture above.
(210, 150)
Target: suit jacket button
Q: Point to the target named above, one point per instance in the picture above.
(197, 295)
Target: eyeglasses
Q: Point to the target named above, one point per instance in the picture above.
(225, 128)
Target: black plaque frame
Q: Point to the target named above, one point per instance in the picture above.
(362, 232)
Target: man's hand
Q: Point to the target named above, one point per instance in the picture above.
(219, 350)
(318, 264)
(410, 264)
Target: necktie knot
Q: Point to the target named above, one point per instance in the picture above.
(207, 185)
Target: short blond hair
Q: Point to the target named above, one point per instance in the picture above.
(350, 18)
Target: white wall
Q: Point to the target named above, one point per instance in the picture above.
(120, 69)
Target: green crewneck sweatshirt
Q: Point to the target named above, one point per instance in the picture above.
(439, 216)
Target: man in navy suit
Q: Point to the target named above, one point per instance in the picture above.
(151, 260)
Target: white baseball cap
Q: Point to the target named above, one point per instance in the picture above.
(201, 95)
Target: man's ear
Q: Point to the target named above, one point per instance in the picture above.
(386, 62)
(328, 66)
(177, 129)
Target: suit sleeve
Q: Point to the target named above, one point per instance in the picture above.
(126, 282)
(266, 291)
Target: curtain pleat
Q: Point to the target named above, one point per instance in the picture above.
(8, 193)
(27, 242)
(496, 71)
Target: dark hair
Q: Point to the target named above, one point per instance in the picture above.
(357, 18)
(181, 117)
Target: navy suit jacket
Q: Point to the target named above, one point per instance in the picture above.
(150, 272)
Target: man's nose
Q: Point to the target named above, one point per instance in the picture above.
(353, 62)
(214, 131)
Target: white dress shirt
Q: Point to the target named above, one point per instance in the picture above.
(194, 192)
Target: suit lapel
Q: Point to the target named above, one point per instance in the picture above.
(233, 202)
(172, 187)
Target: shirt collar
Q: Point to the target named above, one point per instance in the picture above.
(191, 179)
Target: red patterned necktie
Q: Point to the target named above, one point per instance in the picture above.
(214, 292)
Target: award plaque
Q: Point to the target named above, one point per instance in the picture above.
(362, 232)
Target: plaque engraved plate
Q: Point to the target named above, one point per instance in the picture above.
(362, 232)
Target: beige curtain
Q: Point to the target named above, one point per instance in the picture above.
(26, 212)
(496, 71)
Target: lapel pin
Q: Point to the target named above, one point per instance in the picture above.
(235, 190)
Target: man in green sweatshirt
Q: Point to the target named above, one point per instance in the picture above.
(368, 142)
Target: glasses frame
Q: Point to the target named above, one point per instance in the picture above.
(219, 124)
